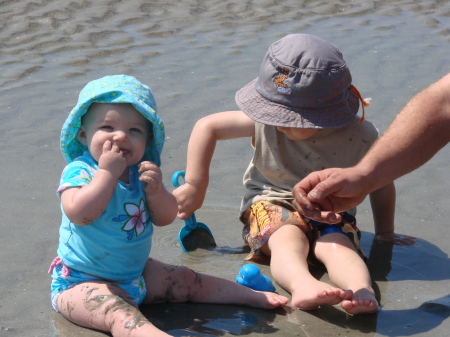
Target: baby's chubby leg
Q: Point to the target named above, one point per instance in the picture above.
(168, 283)
(288, 248)
(106, 307)
(348, 270)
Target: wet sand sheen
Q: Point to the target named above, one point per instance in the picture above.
(195, 55)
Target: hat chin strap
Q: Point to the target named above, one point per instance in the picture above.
(363, 102)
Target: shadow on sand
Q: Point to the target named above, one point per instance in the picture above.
(387, 263)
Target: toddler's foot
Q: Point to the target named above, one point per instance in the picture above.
(362, 302)
(266, 300)
(271, 300)
(309, 297)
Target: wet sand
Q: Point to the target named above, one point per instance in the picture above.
(195, 55)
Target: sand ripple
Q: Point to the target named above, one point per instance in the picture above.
(74, 37)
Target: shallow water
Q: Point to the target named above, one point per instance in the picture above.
(195, 55)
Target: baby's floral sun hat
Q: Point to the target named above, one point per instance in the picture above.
(113, 89)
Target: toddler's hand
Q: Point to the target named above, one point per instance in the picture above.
(189, 199)
(396, 239)
(112, 159)
(151, 175)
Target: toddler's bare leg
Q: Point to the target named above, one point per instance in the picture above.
(105, 307)
(288, 248)
(347, 270)
(168, 283)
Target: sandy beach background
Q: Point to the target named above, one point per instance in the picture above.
(195, 55)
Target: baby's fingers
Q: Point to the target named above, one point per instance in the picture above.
(107, 145)
(182, 215)
(406, 240)
(150, 177)
(396, 239)
(148, 166)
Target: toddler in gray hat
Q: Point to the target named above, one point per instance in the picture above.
(301, 114)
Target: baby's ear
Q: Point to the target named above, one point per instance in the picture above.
(81, 136)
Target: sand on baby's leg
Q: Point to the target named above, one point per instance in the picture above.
(107, 307)
(169, 283)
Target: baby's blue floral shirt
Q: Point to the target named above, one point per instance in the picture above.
(115, 246)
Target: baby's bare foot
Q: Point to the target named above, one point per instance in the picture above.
(268, 300)
(362, 302)
(318, 294)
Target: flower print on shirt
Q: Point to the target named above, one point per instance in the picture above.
(136, 219)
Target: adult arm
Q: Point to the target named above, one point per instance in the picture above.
(418, 132)
(207, 131)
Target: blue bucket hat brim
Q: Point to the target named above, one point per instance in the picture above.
(113, 89)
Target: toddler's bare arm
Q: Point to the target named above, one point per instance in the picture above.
(207, 131)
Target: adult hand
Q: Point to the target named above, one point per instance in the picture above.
(323, 194)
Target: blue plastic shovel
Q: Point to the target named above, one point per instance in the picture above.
(193, 234)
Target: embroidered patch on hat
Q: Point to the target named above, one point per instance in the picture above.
(279, 81)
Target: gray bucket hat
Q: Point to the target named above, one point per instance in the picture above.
(303, 82)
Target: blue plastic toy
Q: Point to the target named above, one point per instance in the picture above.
(191, 223)
(250, 276)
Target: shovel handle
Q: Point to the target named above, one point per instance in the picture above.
(191, 222)
(176, 178)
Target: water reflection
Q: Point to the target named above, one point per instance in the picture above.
(387, 264)
(410, 322)
(424, 261)
(211, 320)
